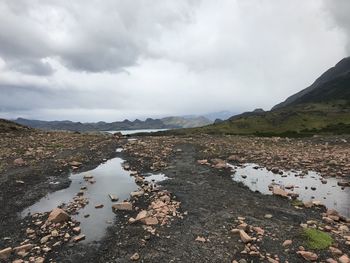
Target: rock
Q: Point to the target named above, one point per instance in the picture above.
(25, 248)
(124, 206)
(202, 162)
(39, 260)
(58, 215)
(45, 239)
(150, 221)
(143, 214)
(19, 161)
(200, 239)
(245, 237)
(113, 198)
(309, 256)
(268, 216)
(54, 233)
(287, 243)
(99, 206)
(75, 163)
(280, 192)
(259, 230)
(344, 259)
(275, 170)
(76, 230)
(137, 193)
(331, 260)
(135, 257)
(335, 251)
(78, 238)
(5, 253)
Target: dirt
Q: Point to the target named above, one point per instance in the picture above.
(212, 204)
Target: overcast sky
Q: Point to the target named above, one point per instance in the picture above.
(109, 60)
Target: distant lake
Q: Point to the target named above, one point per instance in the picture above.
(126, 132)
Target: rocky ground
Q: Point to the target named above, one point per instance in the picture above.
(199, 215)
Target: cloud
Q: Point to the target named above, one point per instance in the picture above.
(93, 60)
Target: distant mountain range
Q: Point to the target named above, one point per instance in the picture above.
(323, 107)
(164, 123)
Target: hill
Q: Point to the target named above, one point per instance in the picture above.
(9, 126)
(165, 123)
(323, 107)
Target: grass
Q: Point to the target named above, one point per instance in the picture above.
(297, 202)
(316, 239)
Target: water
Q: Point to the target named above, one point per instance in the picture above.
(155, 177)
(126, 132)
(110, 179)
(330, 194)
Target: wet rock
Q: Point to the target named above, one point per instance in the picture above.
(99, 206)
(137, 193)
(78, 238)
(5, 253)
(307, 255)
(58, 215)
(275, 170)
(76, 230)
(124, 206)
(113, 198)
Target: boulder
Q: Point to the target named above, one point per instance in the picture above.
(58, 215)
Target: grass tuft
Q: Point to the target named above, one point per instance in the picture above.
(316, 239)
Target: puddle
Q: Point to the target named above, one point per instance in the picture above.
(110, 178)
(330, 194)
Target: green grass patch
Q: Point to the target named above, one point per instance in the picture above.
(316, 239)
(297, 202)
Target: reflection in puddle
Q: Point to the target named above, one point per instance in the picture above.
(110, 179)
(155, 177)
(328, 192)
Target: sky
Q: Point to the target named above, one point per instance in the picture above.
(90, 60)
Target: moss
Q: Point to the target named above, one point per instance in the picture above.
(297, 202)
(316, 239)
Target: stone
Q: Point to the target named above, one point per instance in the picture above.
(287, 243)
(344, 259)
(5, 253)
(137, 193)
(54, 233)
(268, 216)
(25, 248)
(39, 260)
(245, 237)
(124, 206)
(99, 206)
(113, 198)
(78, 238)
(76, 230)
(280, 192)
(307, 255)
(19, 161)
(335, 251)
(331, 260)
(200, 239)
(45, 239)
(75, 163)
(150, 221)
(58, 215)
(143, 214)
(135, 257)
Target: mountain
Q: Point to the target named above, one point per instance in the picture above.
(165, 123)
(323, 107)
(334, 84)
